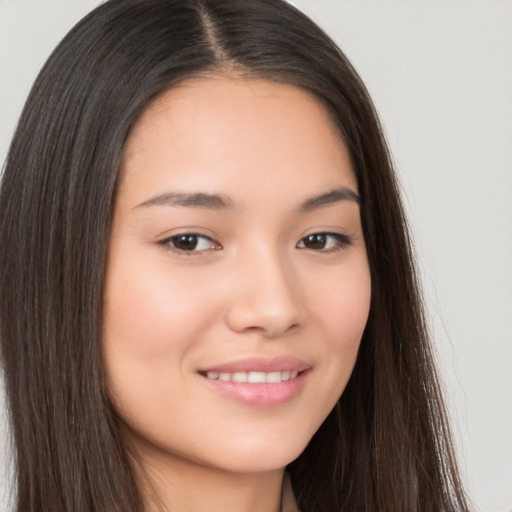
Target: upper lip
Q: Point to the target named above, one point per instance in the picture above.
(260, 364)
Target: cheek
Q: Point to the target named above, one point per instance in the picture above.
(342, 305)
(147, 310)
(151, 328)
(341, 309)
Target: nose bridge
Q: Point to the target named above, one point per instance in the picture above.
(264, 295)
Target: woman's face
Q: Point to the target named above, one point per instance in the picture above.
(237, 287)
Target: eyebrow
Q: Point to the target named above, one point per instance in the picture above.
(333, 196)
(191, 200)
(221, 202)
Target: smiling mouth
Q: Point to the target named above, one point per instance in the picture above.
(260, 382)
(252, 377)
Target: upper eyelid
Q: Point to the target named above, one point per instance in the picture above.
(166, 242)
(341, 237)
(335, 234)
(185, 233)
(165, 236)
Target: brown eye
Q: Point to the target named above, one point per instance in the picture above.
(190, 242)
(317, 241)
(185, 242)
(326, 242)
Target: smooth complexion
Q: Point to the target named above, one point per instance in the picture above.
(236, 255)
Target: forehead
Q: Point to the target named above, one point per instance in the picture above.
(216, 127)
(218, 92)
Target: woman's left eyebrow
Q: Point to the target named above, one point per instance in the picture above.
(333, 196)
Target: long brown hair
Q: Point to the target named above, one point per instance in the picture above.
(386, 446)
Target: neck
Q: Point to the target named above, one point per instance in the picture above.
(186, 486)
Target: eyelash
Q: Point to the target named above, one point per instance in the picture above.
(168, 243)
(341, 241)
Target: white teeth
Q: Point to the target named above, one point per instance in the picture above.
(253, 377)
(257, 377)
(274, 377)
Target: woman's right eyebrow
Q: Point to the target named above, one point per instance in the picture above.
(191, 200)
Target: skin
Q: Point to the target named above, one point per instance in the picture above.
(253, 287)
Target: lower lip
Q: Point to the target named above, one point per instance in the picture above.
(263, 394)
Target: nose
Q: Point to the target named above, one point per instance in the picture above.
(264, 297)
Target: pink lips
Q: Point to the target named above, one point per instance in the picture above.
(261, 394)
(260, 364)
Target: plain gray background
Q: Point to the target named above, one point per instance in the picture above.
(440, 73)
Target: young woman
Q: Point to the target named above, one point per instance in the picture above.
(207, 294)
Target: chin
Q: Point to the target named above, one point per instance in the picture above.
(258, 458)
